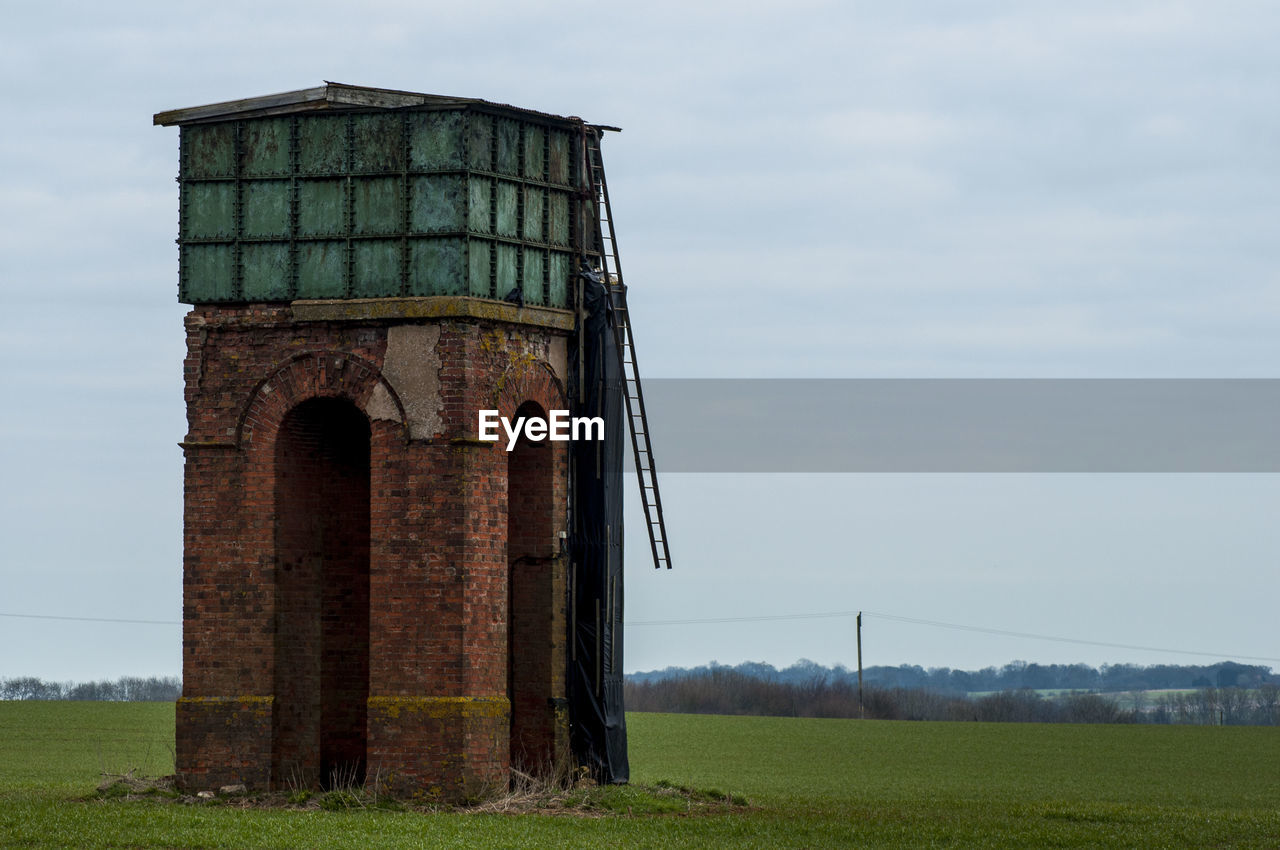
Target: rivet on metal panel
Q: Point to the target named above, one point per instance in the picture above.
(546, 155)
(493, 213)
(348, 208)
(466, 142)
(546, 219)
(404, 204)
(467, 244)
(493, 268)
(520, 193)
(295, 160)
(183, 269)
(520, 165)
(237, 271)
(575, 240)
(545, 282)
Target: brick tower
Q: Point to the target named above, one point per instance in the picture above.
(371, 592)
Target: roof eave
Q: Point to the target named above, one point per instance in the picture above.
(328, 96)
(331, 96)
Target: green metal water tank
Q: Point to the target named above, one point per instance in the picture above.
(342, 192)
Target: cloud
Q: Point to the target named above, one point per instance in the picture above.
(849, 189)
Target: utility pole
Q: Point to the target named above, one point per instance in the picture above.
(862, 712)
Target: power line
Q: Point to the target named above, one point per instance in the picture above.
(93, 619)
(823, 615)
(758, 619)
(1083, 641)
(957, 626)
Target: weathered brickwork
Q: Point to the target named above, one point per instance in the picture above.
(370, 591)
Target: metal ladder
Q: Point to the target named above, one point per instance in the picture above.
(606, 238)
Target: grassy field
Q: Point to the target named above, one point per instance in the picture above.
(811, 783)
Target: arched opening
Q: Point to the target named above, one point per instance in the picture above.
(321, 595)
(531, 550)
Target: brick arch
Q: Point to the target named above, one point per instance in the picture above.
(313, 374)
(532, 380)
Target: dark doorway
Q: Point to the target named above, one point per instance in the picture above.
(530, 593)
(319, 733)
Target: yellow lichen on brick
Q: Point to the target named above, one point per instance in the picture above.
(439, 708)
(221, 701)
(430, 307)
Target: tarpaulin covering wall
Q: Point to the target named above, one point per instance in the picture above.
(599, 729)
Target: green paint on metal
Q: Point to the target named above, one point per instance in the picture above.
(560, 267)
(438, 203)
(507, 268)
(208, 273)
(558, 214)
(209, 150)
(535, 160)
(377, 144)
(374, 204)
(322, 269)
(478, 208)
(322, 145)
(210, 210)
(266, 148)
(320, 207)
(508, 208)
(265, 208)
(436, 141)
(478, 266)
(377, 268)
(377, 205)
(436, 267)
(535, 200)
(480, 142)
(558, 150)
(508, 147)
(534, 270)
(265, 271)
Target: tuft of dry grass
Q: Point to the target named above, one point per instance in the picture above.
(569, 791)
(529, 792)
(130, 785)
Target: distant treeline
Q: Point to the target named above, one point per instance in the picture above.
(728, 691)
(124, 689)
(1013, 676)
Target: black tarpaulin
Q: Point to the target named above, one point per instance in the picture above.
(598, 723)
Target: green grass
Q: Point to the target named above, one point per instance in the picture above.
(810, 783)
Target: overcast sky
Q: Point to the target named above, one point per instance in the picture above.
(808, 189)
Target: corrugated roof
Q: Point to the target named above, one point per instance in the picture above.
(331, 96)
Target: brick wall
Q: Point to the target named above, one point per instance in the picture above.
(346, 564)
